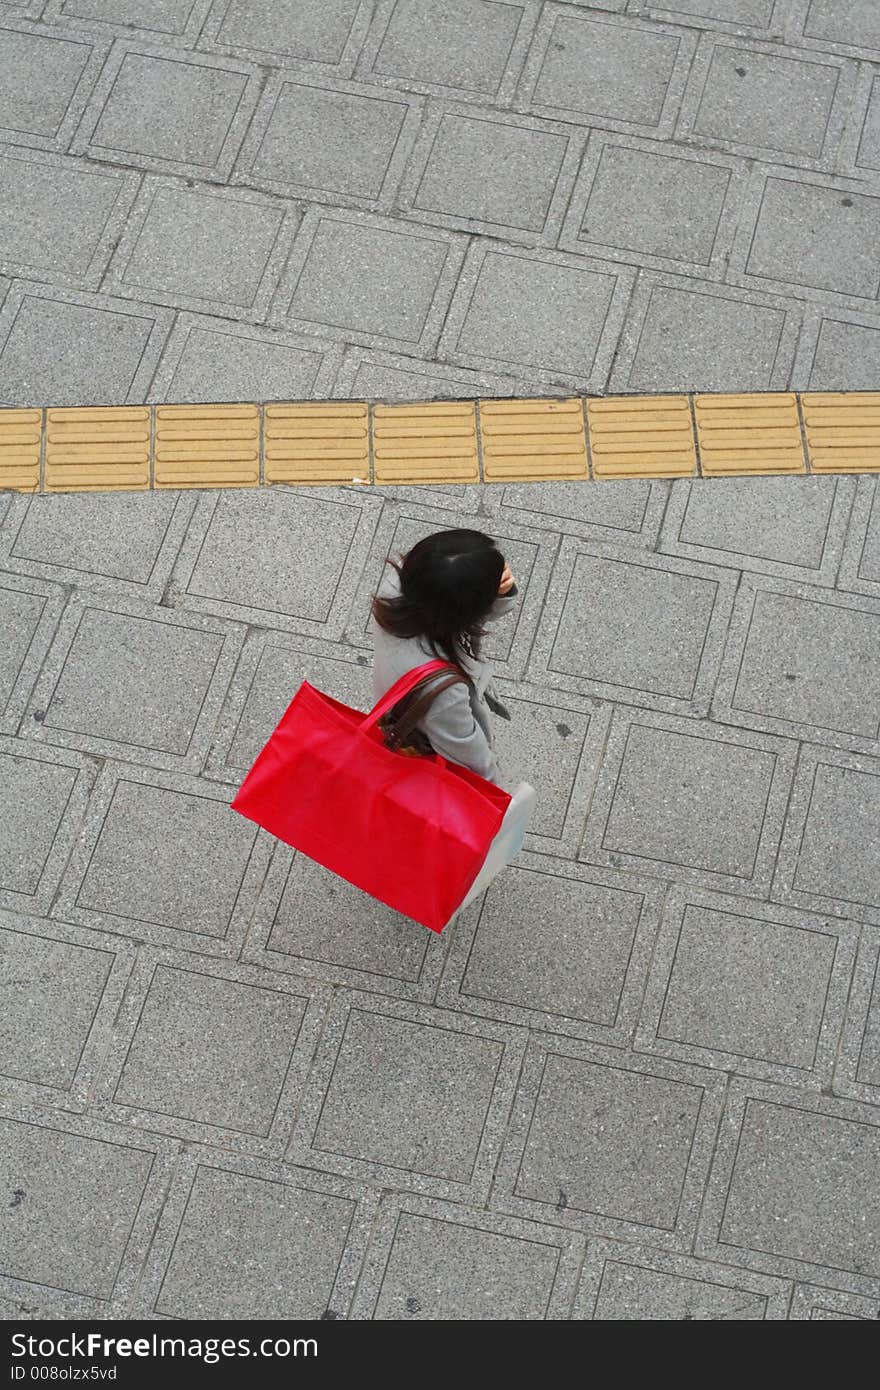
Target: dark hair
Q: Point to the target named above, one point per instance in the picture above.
(448, 583)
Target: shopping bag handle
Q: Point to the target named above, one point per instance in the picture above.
(400, 688)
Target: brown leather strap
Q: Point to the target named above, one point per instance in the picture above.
(399, 724)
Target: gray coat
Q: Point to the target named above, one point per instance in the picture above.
(459, 723)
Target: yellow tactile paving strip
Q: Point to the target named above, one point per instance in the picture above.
(533, 439)
(441, 442)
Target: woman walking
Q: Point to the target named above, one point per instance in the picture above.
(434, 604)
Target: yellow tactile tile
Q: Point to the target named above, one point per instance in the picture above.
(641, 437)
(20, 435)
(207, 446)
(533, 440)
(749, 434)
(100, 449)
(433, 443)
(842, 430)
(327, 442)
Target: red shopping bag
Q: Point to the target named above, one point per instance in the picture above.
(412, 832)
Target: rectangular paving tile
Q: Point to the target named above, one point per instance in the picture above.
(636, 1283)
(797, 662)
(320, 443)
(101, 449)
(629, 512)
(643, 437)
(178, 19)
(208, 1052)
(214, 359)
(790, 526)
(21, 438)
(280, 30)
(597, 1137)
(45, 79)
(45, 794)
(857, 1073)
(89, 1198)
(194, 880)
(55, 987)
(134, 676)
(860, 567)
(461, 48)
(757, 989)
(425, 443)
(433, 1261)
(851, 22)
(798, 220)
(696, 802)
(654, 632)
(749, 434)
(166, 110)
(555, 946)
(62, 218)
(842, 431)
(29, 610)
(295, 1240)
(830, 855)
(795, 1188)
(409, 1095)
(532, 440)
(207, 446)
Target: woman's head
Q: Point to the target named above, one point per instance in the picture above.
(448, 583)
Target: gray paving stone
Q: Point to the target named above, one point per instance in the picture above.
(830, 859)
(629, 510)
(800, 1190)
(209, 359)
(560, 745)
(558, 947)
(636, 70)
(252, 555)
(796, 222)
(754, 989)
(194, 879)
(344, 141)
(88, 1201)
(477, 171)
(156, 110)
(767, 100)
(180, 19)
(868, 152)
(860, 567)
(636, 200)
(635, 1283)
(689, 336)
(505, 311)
(802, 658)
(195, 248)
(692, 801)
(29, 611)
(134, 677)
(850, 22)
(255, 1242)
(126, 541)
(321, 921)
(45, 794)
(436, 1262)
(787, 526)
(845, 356)
(284, 29)
(408, 1095)
(653, 633)
(102, 351)
(386, 376)
(857, 1073)
(45, 78)
(210, 1050)
(597, 1138)
(369, 280)
(739, 12)
(61, 219)
(463, 47)
(816, 1304)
